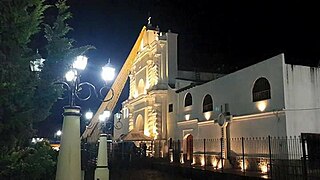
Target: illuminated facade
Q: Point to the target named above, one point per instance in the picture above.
(268, 98)
(154, 67)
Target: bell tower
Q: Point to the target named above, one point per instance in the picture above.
(153, 70)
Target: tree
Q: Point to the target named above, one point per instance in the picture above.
(26, 96)
(60, 54)
(19, 21)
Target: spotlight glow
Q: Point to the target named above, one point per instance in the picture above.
(261, 105)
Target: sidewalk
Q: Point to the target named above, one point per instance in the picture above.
(160, 169)
(143, 174)
(208, 172)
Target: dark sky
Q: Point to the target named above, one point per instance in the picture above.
(215, 32)
(221, 36)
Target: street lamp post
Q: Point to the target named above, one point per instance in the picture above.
(57, 135)
(102, 169)
(69, 159)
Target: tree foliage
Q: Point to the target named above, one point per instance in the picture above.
(20, 20)
(25, 96)
(60, 54)
(33, 162)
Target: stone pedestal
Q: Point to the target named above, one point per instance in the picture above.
(69, 158)
(102, 170)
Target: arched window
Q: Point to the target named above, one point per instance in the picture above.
(140, 87)
(139, 123)
(261, 90)
(207, 103)
(188, 100)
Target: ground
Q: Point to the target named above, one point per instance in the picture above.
(143, 174)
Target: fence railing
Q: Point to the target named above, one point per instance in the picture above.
(272, 156)
(264, 147)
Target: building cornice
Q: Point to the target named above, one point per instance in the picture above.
(205, 123)
(182, 123)
(242, 117)
(258, 115)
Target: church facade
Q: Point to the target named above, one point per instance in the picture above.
(270, 98)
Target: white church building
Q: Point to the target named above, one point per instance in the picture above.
(270, 98)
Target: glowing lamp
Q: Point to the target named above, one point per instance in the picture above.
(80, 63)
(89, 114)
(71, 75)
(58, 133)
(101, 118)
(108, 72)
(106, 113)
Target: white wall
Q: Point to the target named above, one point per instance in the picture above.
(302, 100)
(209, 131)
(172, 116)
(236, 90)
(272, 124)
(189, 128)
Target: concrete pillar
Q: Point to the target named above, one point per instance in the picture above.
(82, 174)
(69, 158)
(102, 170)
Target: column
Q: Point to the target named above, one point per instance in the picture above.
(69, 158)
(102, 170)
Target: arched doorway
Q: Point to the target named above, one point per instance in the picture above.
(189, 147)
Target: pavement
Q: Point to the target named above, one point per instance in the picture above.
(162, 170)
(143, 174)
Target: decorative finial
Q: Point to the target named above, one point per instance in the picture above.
(109, 61)
(149, 21)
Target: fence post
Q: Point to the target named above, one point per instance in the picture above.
(160, 147)
(122, 151)
(221, 159)
(270, 155)
(175, 150)
(168, 150)
(204, 153)
(243, 162)
(304, 158)
(177, 159)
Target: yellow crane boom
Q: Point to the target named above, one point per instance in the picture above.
(92, 131)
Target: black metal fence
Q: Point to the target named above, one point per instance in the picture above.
(294, 157)
(272, 157)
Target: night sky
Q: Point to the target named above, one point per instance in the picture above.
(216, 36)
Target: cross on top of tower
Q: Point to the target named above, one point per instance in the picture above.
(149, 21)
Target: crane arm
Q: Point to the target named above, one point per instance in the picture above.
(92, 131)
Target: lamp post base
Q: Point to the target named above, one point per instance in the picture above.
(69, 158)
(102, 170)
(101, 173)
